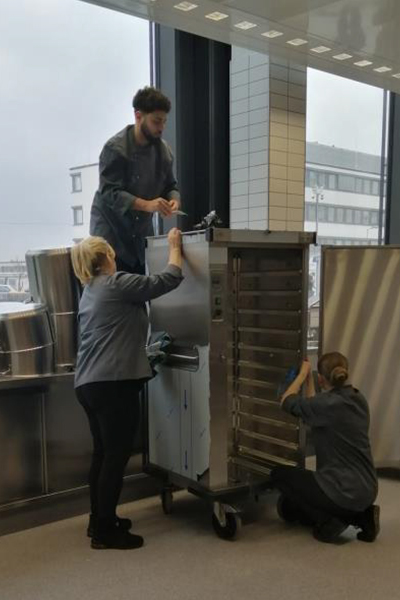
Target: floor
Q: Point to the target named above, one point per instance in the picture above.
(183, 559)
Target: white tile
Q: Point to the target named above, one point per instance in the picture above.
(239, 106)
(259, 130)
(238, 135)
(258, 186)
(258, 225)
(259, 172)
(259, 144)
(239, 63)
(259, 59)
(238, 148)
(258, 73)
(259, 87)
(258, 158)
(240, 189)
(241, 225)
(239, 162)
(239, 215)
(238, 202)
(239, 120)
(239, 175)
(256, 200)
(241, 78)
(239, 93)
(256, 214)
(259, 101)
(258, 115)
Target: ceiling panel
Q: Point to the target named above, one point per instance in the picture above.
(354, 38)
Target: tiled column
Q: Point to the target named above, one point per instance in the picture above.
(268, 108)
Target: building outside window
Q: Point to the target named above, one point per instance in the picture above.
(77, 212)
(344, 150)
(76, 180)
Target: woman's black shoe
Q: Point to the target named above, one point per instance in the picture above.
(369, 524)
(122, 524)
(116, 539)
(330, 531)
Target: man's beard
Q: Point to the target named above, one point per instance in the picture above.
(152, 139)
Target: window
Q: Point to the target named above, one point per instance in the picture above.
(347, 183)
(375, 188)
(66, 134)
(374, 217)
(340, 215)
(76, 181)
(77, 212)
(332, 181)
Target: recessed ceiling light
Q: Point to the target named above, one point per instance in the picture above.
(363, 63)
(343, 56)
(320, 49)
(272, 33)
(297, 42)
(217, 16)
(383, 69)
(185, 6)
(245, 25)
(397, 75)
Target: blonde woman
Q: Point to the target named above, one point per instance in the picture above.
(344, 486)
(111, 368)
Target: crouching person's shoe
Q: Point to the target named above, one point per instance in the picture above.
(369, 524)
(330, 531)
(107, 535)
(123, 524)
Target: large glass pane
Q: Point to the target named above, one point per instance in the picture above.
(346, 132)
(69, 70)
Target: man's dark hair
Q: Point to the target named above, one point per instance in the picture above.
(150, 99)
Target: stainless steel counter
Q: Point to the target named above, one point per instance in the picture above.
(45, 441)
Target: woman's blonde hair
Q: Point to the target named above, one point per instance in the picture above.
(334, 367)
(88, 257)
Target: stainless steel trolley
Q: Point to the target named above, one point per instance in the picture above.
(238, 322)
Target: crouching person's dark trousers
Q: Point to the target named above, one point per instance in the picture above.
(306, 498)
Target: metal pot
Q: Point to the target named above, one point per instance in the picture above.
(26, 341)
(52, 282)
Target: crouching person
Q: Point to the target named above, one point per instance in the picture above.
(111, 369)
(344, 486)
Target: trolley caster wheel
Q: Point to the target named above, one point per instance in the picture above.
(286, 511)
(167, 500)
(232, 526)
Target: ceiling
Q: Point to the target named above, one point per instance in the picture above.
(358, 39)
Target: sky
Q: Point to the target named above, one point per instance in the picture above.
(68, 73)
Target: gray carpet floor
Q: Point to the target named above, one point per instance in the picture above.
(184, 560)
